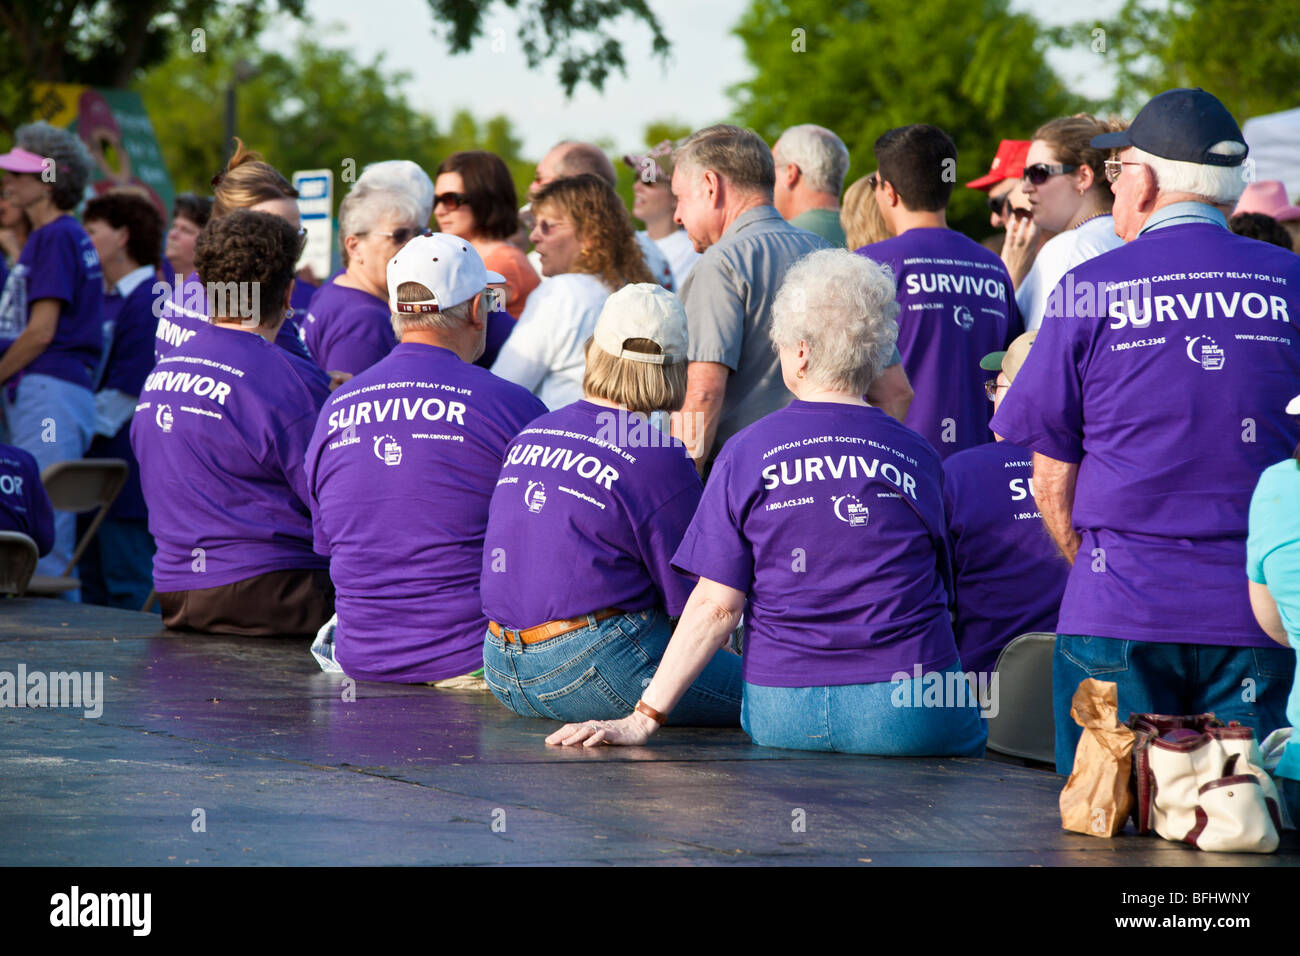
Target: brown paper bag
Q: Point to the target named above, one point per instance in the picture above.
(1099, 794)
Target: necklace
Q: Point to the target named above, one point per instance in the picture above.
(1095, 215)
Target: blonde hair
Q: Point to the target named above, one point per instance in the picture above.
(247, 181)
(636, 386)
(860, 216)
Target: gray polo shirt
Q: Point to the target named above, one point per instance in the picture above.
(728, 299)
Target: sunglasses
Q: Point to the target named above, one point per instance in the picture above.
(1040, 173)
(873, 182)
(450, 201)
(402, 236)
(998, 204)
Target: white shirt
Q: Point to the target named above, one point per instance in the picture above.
(545, 351)
(1058, 256)
(681, 255)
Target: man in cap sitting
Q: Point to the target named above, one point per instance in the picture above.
(401, 468)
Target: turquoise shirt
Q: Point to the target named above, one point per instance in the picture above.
(1273, 559)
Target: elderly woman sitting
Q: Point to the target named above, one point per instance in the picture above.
(828, 515)
(221, 431)
(347, 327)
(591, 503)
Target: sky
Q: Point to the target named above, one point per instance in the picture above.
(692, 87)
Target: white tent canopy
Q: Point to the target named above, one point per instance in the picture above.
(1274, 142)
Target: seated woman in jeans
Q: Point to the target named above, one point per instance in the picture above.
(591, 503)
(1273, 570)
(828, 516)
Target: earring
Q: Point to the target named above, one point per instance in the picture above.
(799, 374)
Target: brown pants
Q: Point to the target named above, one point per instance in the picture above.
(278, 603)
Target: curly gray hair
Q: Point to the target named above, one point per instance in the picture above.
(72, 163)
(845, 307)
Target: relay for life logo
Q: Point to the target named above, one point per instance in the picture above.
(1208, 356)
(535, 496)
(164, 417)
(851, 511)
(388, 450)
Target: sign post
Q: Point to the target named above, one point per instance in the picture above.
(315, 206)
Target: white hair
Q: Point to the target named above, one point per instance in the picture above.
(845, 307)
(1217, 185)
(820, 155)
(402, 175)
(366, 206)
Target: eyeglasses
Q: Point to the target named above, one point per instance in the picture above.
(401, 236)
(450, 201)
(548, 226)
(991, 388)
(873, 182)
(302, 239)
(998, 204)
(1114, 167)
(1039, 173)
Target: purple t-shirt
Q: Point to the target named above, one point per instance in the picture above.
(347, 330)
(1163, 369)
(130, 358)
(956, 305)
(590, 506)
(58, 262)
(182, 308)
(1009, 574)
(220, 431)
(831, 518)
(24, 505)
(400, 469)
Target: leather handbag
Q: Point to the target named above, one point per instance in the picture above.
(1202, 782)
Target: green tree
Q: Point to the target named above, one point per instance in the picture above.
(860, 68)
(111, 42)
(309, 107)
(1245, 52)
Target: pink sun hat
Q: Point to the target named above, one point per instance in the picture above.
(21, 161)
(1268, 196)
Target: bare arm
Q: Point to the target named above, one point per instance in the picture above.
(1054, 494)
(696, 424)
(711, 614)
(1265, 610)
(34, 340)
(891, 392)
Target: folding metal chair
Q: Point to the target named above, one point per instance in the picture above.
(1024, 726)
(18, 556)
(79, 486)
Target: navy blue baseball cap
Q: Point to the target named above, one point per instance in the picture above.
(1180, 124)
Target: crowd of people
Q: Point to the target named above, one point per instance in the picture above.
(745, 465)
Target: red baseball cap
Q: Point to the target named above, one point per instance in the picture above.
(1009, 163)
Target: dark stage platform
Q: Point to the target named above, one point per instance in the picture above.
(241, 752)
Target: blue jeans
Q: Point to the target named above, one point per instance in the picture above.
(53, 420)
(599, 671)
(863, 719)
(1249, 684)
(117, 567)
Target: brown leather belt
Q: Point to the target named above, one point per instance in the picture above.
(544, 632)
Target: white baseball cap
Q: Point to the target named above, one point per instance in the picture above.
(448, 266)
(643, 310)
